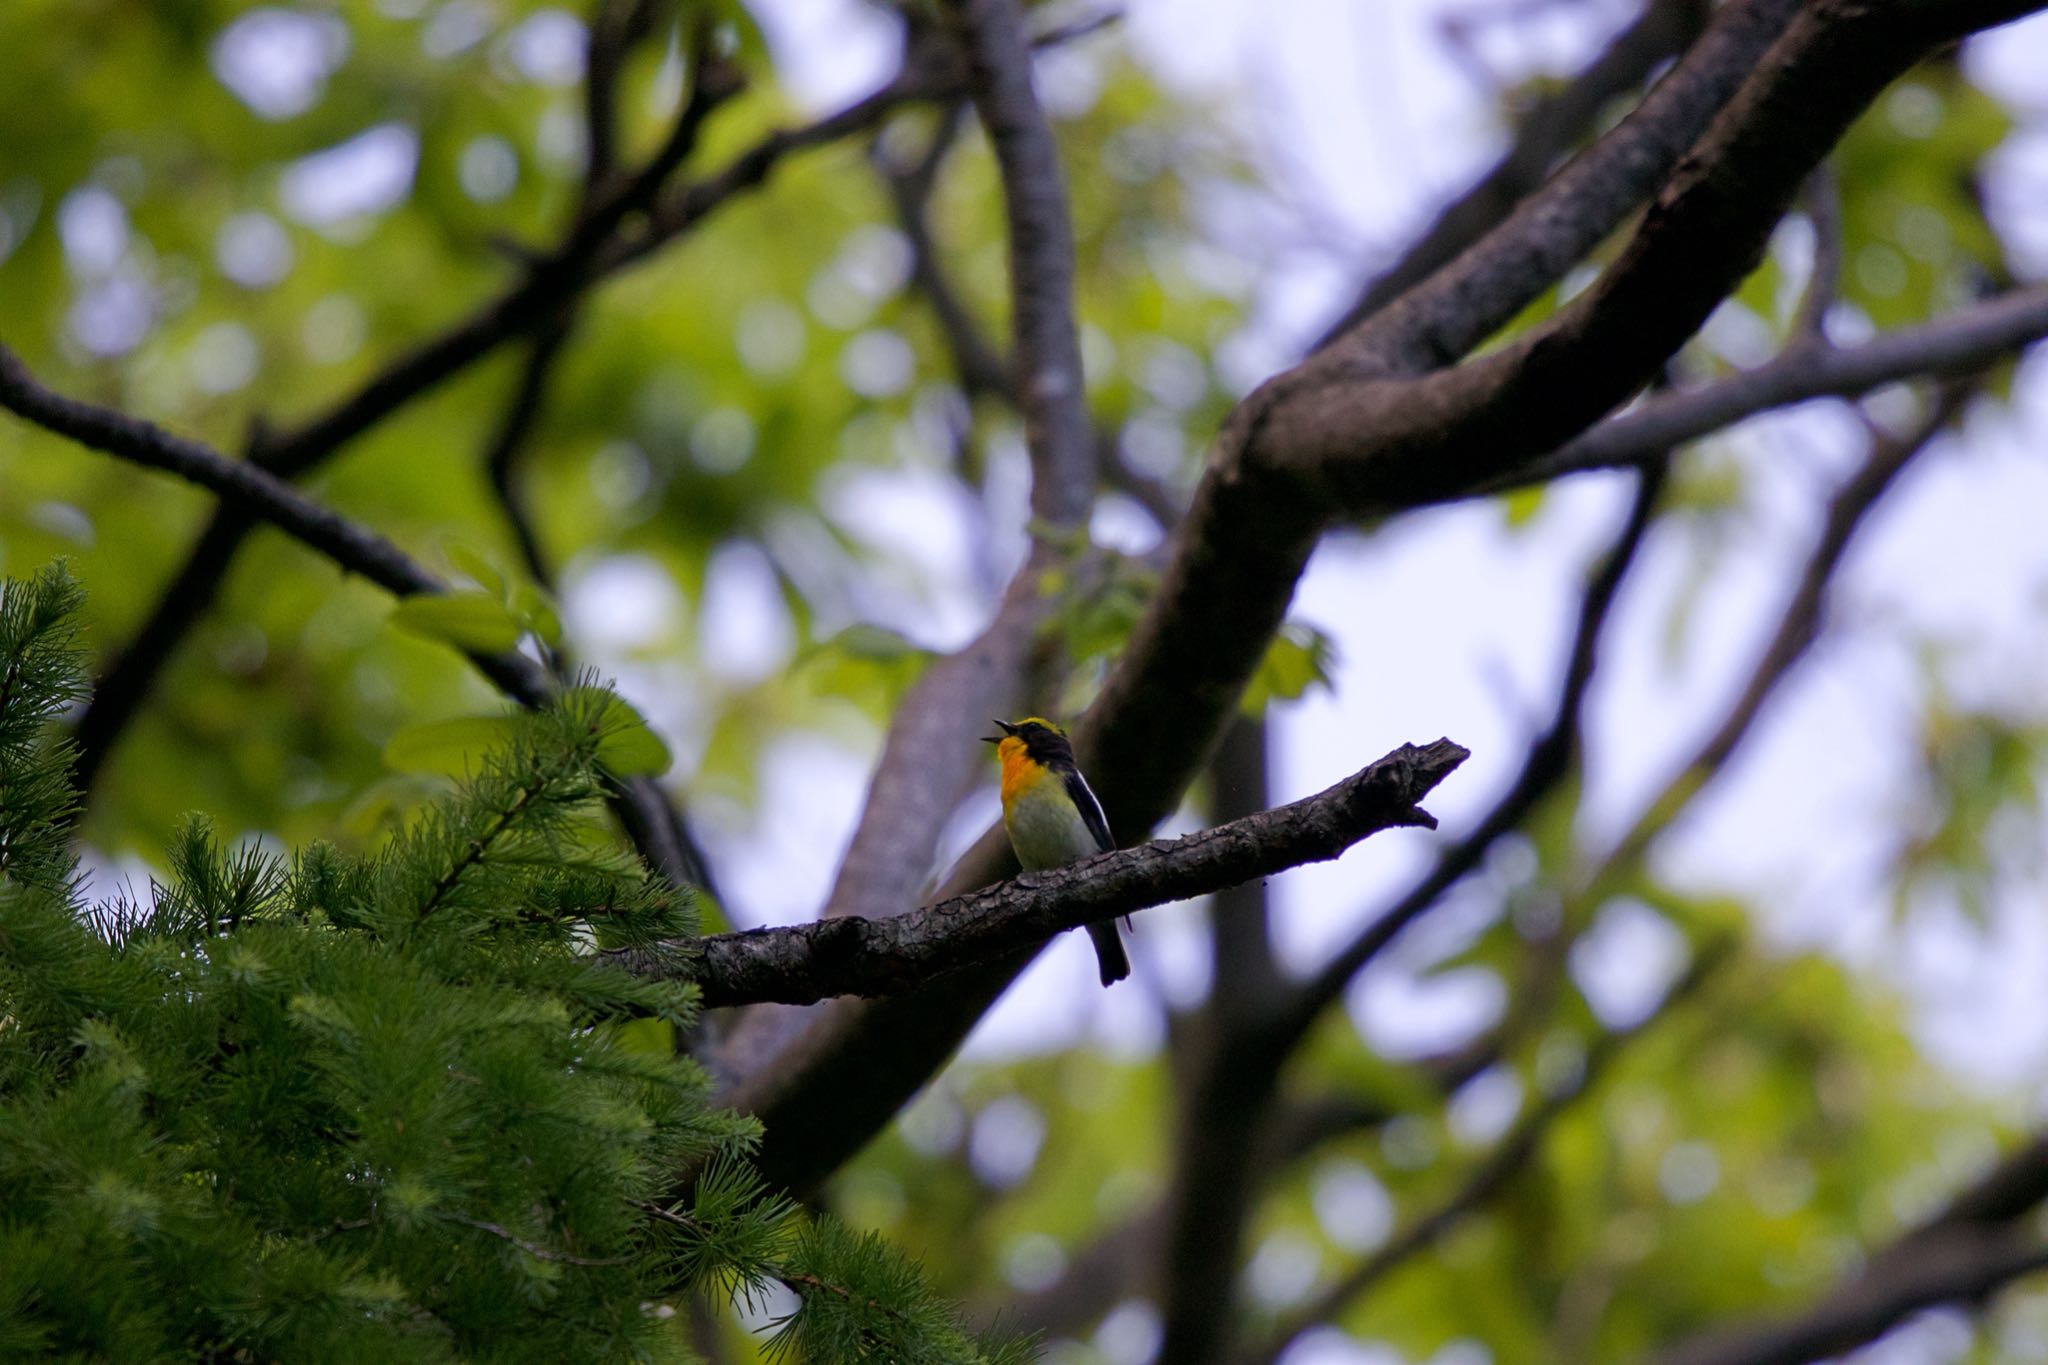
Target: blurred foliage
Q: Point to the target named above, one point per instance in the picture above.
(758, 431)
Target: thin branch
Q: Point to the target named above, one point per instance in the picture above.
(1125, 1260)
(1799, 624)
(1966, 1253)
(509, 442)
(538, 295)
(531, 1248)
(1967, 1271)
(1822, 199)
(976, 364)
(1491, 1177)
(849, 955)
(1961, 343)
(980, 370)
(1045, 347)
(618, 27)
(1549, 761)
(255, 493)
(650, 820)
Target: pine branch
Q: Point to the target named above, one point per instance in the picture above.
(41, 672)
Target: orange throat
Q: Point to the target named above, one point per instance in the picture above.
(1021, 772)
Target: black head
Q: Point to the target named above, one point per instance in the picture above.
(1042, 739)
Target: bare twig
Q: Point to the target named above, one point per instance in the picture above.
(650, 820)
(255, 493)
(976, 364)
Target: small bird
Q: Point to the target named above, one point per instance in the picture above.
(1052, 818)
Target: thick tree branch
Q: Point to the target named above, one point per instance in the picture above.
(1225, 1107)
(849, 955)
(1376, 445)
(1252, 522)
(1551, 129)
(1552, 229)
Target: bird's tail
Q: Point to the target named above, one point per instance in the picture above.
(1110, 957)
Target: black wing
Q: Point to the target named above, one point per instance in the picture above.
(1091, 809)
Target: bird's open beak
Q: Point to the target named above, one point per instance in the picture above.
(1005, 727)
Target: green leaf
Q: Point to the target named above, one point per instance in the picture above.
(536, 611)
(447, 746)
(1521, 506)
(1299, 658)
(467, 559)
(473, 621)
